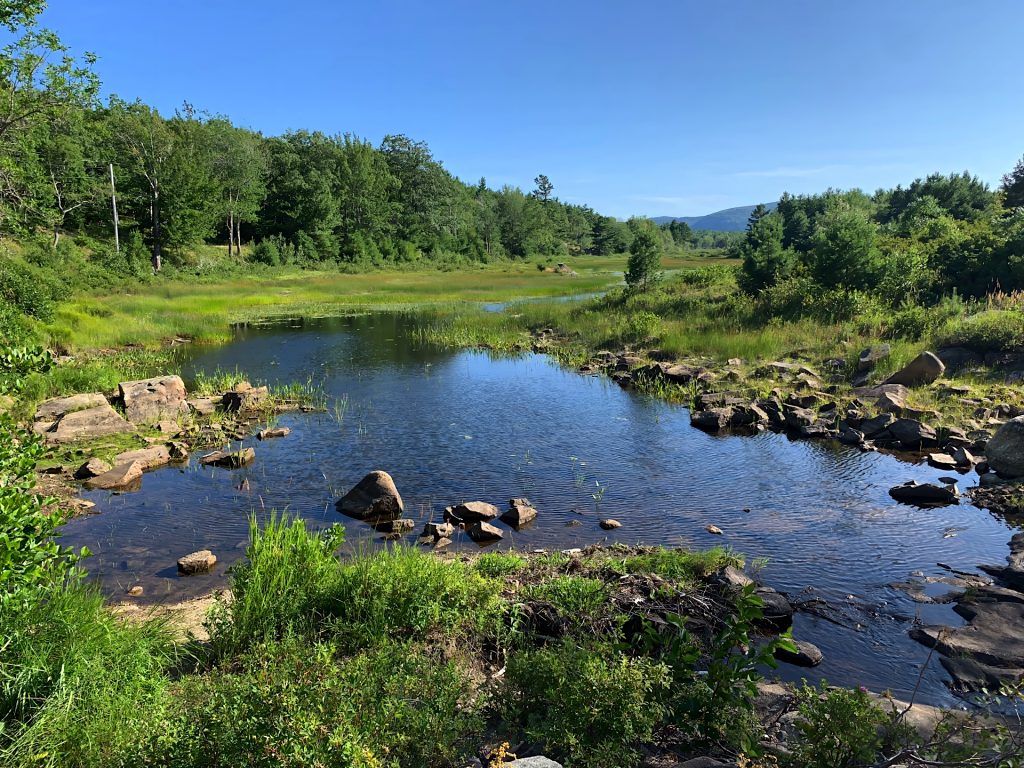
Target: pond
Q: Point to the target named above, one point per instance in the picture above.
(463, 425)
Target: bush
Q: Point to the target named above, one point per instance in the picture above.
(23, 287)
(267, 252)
(838, 728)
(994, 330)
(642, 326)
(705, 277)
(590, 706)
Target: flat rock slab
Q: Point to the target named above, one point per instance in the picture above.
(152, 400)
(229, 459)
(150, 458)
(100, 421)
(266, 434)
(924, 494)
(205, 406)
(92, 468)
(124, 477)
(470, 512)
(53, 409)
(375, 497)
(993, 637)
(197, 562)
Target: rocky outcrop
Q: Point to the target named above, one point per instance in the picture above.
(53, 409)
(1005, 451)
(149, 458)
(925, 494)
(923, 369)
(197, 562)
(470, 512)
(124, 477)
(152, 400)
(375, 497)
(99, 421)
(520, 512)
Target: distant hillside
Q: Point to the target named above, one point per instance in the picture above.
(729, 220)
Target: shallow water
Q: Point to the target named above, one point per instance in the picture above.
(453, 426)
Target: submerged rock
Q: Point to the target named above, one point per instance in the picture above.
(924, 494)
(125, 477)
(373, 497)
(470, 512)
(482, 532)
(266, 434)
(196, 562)
(229, 459)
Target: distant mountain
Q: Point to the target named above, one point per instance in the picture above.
(729, 220)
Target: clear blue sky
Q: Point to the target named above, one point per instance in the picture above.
(663, 107)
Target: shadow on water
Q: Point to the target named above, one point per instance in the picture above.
(454, 426)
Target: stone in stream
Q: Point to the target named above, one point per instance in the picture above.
(713, 419)
(519, 513)
(266, 434)
(923, 369)
(149, 458)
(877, 425)
(942, 461)
(924, 494)
(196, 562)
(610, 524)
(963, 457)
(443, 542)
(482, 532)
(205, 406)
(245, 399)
(125, 477)
(912, 433)
(152, 400)
(438, 530)
(805, 655)
(776, 611)
(470, 512)
(229, 459)
(1005, 451)
(92, 468)
(713, 529)
(135, 590)
(99, 421)
(375, 497)
(398, 526)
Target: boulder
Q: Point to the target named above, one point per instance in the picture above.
(877, 425)
(205, 406)
(100, 421)
(375, 497)
(923, 369)
(805, 655)
(92, 468)
(714, 529)
(733, 577)
(912, 433)
(435, 531)
(470, 512)
(398, 526)
(151, 400)
(925, 494)
(196, 562)
(54, 408)
(1005, 451)
(229, 459)
(712, 420)
(124, 477)
(245, 399)
(519, 513)
(942, 461)
(481, 532)
(149, 458)
(797, 417)
(776, 611)
(610, 524)
(533, 762)
(964, 458)
(870, 357)
(266, 434)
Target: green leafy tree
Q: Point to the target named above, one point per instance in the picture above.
(240, 168)
(644, 256)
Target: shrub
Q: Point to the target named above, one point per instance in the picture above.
(23, 287)
(642, 326)
(267, 252)
(994, 330)
(590, 706)
(838, 728)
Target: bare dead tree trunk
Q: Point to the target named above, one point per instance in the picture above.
(238, 237)
(231, 232)
(156, 228)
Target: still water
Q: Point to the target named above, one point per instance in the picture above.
(462, 425)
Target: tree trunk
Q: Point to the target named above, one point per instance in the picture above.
(56, 235)
(156, 229)
(238, 237)
(231, 232)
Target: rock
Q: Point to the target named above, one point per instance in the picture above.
(992, 637)
(242, 400)
(713, 529)
(483, 532)
(797, 417)
(135, 591)
(870, 357)
(178, 450)
(942, 461)
(53, 409)
(776, 611)
(266, 434)
(963, 457)
(519, 513)
(923, 369)
(851, 436)
(398, 526)
(805, 655)
(125, 477)
(971, 675)
(205, 406)
(609, 523)
(912, 433)
(956, 358)
(438, 530)
(733, 577)
(196, 562)
(229, 459)
(470, 512)
(81, 505)
(876, 426)
(169, 428)
(924, 494)
(533, 762)
(149, 458)
(712, 420)
(1005, 451)
(680, 374)
(443, 542)
(373, 497)
(92, 468)
(151, 400)
(99, 421)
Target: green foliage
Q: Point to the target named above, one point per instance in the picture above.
(24, 288)
(267, 251)
(680, 565)
(16, 363)
(1013, 186)
(644, 256)
(765, 261)
(495, 565)
(838, 728)
(588, 706)
(706, 277)
(642, 326)
(993, 330)
(844, 254)
(579, 600)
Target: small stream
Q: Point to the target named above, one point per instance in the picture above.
(464, 425)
